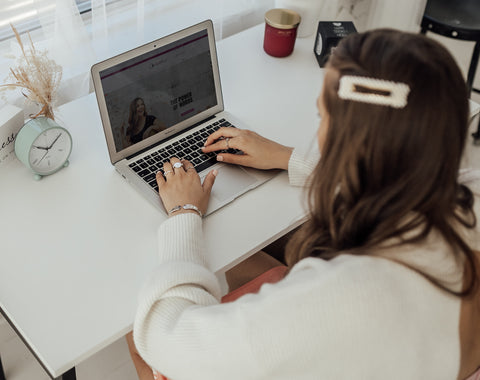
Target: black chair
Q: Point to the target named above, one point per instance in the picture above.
(459, 19)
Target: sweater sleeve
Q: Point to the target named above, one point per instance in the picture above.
(300, 166)
(181, 276)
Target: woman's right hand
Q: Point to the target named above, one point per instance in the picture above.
(258, 151)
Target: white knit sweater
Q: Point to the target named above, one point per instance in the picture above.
(347, 318)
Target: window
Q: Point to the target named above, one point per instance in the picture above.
(26, 15)
(78, 33)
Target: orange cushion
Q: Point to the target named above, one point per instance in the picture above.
(271, 276)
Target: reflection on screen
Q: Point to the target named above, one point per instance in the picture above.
(157, 90)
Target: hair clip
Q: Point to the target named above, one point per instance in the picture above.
(374, 91)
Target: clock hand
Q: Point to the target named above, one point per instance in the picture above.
(54, 141)
(40, 147)
(41, 159)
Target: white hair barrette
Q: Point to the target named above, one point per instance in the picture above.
(373, 91)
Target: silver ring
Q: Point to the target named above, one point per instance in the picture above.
(190, 167)
(177, 165)
(226, 140)
(168, 172)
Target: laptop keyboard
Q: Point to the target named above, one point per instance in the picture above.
(188, 148)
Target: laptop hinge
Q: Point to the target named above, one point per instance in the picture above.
(170, 137)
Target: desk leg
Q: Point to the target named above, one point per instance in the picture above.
(2, 374)
(69, 375)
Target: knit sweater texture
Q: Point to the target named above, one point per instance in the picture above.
(352, 317)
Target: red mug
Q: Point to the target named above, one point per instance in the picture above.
(280, 32)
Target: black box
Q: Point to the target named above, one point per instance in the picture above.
(329, 34)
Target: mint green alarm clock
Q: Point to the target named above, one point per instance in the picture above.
(43, 146)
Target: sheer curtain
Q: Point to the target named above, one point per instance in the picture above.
(371, 14)
(404, 15)
(76, 41)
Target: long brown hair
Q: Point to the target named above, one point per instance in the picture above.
(133, 116)
(381, 165)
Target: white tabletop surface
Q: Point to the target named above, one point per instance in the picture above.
(76, 246)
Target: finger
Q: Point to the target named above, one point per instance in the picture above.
(188, 166)
(167, 169)
(209, 181)
(238, 159)
(213, 137)
(218, 145)
(177, 165)
(160, 179)
(222, 132)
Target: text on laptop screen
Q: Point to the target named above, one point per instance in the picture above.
(159, 89)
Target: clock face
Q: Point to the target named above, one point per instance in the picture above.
(50, 151)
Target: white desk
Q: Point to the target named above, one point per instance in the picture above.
(77, 246)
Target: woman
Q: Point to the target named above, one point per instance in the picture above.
(141, 125)
(383, 279)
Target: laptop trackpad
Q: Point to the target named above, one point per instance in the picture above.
(230, 182)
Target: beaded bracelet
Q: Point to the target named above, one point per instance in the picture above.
(187, 206)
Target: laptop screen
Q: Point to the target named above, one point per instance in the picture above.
(159, 89)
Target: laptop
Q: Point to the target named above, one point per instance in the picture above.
(164, 99)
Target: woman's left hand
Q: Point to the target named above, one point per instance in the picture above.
(181, 185)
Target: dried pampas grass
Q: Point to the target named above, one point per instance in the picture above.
(37, 76)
